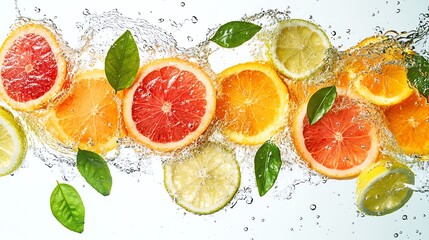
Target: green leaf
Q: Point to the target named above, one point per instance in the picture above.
(267, 166)
(95, 171)
(418, 73)
(67, 207)
(122, 62)
(320, 103)
(235, 33)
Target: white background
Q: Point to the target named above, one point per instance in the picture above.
(140, 208)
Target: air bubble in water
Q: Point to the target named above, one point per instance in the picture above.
(398, 10)
(194, 19)
(313, 207)
(245, 229)
(161, 20)
(190, 39)
(182, 4)
(395, 235)
(333, 33)
(404, 217)
(37, 10)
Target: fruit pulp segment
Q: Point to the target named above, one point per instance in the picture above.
(340, 140)
(300, 49)
(168, 104)
(7, 147)
(90, 113)
(387, 193)
(248, 102)
(29, 69)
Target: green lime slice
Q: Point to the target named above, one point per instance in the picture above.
(13, 143)
(383, 187)
(205, 182)
(299, 48)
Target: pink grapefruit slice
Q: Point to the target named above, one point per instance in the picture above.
(341, 144)
(32, 68)
(170, 104)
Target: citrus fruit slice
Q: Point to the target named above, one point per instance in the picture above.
(32, 67)
(89, 116)
(382, 187)
(13, 143)
(299, 48)
(204, 183)
(378, 72)
(252, 103)
(340, 144)
(170, 104)
(409, 123)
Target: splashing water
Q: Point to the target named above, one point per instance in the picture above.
(99, 30)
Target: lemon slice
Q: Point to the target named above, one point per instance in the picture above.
(204, 183)
(13, 143)
(382, 187)
(299, 48)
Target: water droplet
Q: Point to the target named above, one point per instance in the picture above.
(245, 229)
(404, 217)
(86, 12)
(313, 207)
(37, 10)
(182, 4)
(194, 19)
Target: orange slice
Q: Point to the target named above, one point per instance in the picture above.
(32, 68)
(378, 71)
(171, 104)
(340, 144)
(252, 103)
(409, 123)
(89, 116)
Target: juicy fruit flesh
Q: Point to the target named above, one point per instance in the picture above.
(387, 194)
(339, 140)
(168, 104)
(29, 69)
(248, 102)
(409, 123)
(7, 147)
(300, 49)
(89, 115)
(206, 182)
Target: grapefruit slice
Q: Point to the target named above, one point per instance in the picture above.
(171, 104)
(32, 68)
(340, 144)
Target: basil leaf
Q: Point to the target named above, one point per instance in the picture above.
(418, 73)
(122, 62)
(67, 207)
(320, 103)
(95, 171)
(267, 166)
(235, 33)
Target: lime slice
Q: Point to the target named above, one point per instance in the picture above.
(13, 143)
(204, 183)
(299, 48)
(382, 187)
